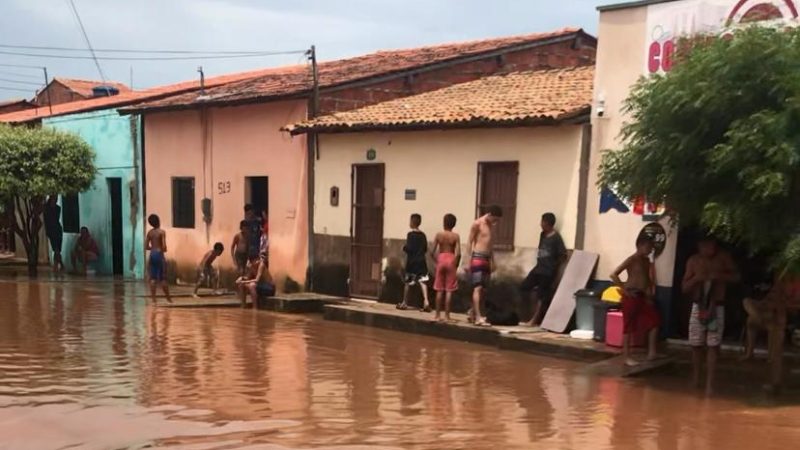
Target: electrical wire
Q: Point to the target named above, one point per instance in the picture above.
(7, 80)
(151, 58)
(22, 66)
(20, 75)
(86, 38)
(120, 50)
(8, 88)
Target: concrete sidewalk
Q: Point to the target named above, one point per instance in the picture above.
(521, 339)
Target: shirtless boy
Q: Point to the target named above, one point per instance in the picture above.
(240, 248)
(156, 244)
(481, 264)
(706, 280)
(206, 273)
(447, 253)
(639, 315)
(258, 282)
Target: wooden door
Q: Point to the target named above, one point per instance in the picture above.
(497, 185)
(366, 230)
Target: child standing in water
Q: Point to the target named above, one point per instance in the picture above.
(639, 314)
(156, 244)
(447, 253)
(416, 267)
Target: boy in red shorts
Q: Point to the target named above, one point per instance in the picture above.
(639, 314)
(447, 253)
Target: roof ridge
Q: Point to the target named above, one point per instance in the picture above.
(564, 30)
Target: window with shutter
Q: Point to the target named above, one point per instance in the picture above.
(497, 185)
(183, 202)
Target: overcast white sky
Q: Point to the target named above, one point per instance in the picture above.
(337, 28)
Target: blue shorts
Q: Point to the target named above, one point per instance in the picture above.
(157, 265)
(265, 289)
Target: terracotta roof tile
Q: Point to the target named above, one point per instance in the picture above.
(517, 98)
(125, 98)
(296, 80)
(84, 87)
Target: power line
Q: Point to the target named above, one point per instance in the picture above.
(7, 80)
(120, 50)
(8, 88)
(24, 76)
(22, 66)
(86, 38)
(152, 58)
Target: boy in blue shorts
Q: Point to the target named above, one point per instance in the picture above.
(156, 244)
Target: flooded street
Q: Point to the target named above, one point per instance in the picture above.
(87, 365)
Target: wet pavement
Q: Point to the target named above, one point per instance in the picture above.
(88, 365)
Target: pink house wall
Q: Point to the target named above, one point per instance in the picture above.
(239, 142)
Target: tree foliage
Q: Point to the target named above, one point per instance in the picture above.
(717, 140)
(35, 163)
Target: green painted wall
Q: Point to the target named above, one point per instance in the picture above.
(116, 142)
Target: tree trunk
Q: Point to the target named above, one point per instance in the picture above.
(32, 250)
(27, 224)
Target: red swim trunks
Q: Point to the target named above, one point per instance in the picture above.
(446, 279)
(638, 314)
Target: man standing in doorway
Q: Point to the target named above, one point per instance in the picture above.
(539, 282)
(253, 231)
(481, 264)
(54, 231)
(708, 274)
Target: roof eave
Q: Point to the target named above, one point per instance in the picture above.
(579, 116)
(216, 103)
(630, 4)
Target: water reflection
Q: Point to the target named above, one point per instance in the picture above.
(88, 365)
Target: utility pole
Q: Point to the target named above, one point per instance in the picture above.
(312, 56)
(312, 155)
(202, 80)
(47, 91)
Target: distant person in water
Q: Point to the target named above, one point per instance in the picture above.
(54, 231)
(447, 254)
(85, 251)
(639, 315)
(708, 274)
(156, 244)
(206, 272)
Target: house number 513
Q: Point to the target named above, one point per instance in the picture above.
(224, 187)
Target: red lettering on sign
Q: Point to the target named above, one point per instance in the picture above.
(654, 57)
(666, 60)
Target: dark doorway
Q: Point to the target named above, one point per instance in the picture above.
(257, 193)
(366, 230)
(115, 193)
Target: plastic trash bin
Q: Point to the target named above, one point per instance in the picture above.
(600, 310)
(584, 310)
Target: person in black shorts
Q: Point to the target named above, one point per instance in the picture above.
(416, 266)
(539, 282)
(54, 231)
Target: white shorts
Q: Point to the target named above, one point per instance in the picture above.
(700, 335)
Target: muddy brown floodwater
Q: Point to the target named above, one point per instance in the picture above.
(87, 365)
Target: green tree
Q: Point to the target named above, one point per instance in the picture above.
(34, 163)
(717, 140)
